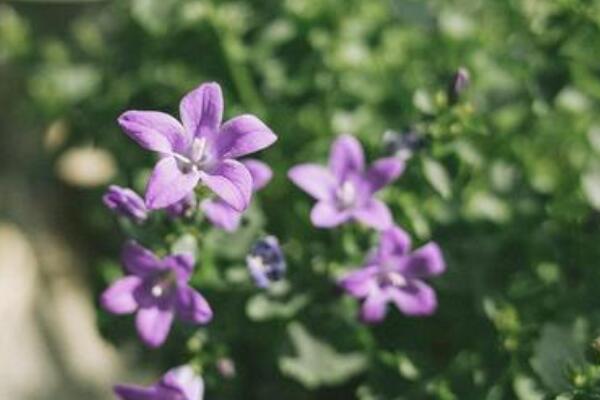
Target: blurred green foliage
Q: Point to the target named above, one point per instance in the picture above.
(508, 182)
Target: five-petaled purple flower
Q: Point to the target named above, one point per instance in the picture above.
(199, 149)
(180, 383)
(158, 290)
(221, 214)
(125, 202)
(345, 190)
(393, 273)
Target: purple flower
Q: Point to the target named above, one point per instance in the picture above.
(199, 149)
(180, 383)
(345, 190)
(221, 214)
(183, 208)
(395, 274)
(157, 290)
(125, 202)
(266, 262)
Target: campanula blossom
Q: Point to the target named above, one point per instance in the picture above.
(266, 262)
(157, 291)
(124, 201)
(199, 149)
(221, 214)
(394, 273)
(345, 190)
(180, 383)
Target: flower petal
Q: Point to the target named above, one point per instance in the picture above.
(231, 181)
(243, 135)
(326, 215)
(314, 179)
(154, 130)
(393, 242)
(261, 173)
(132, 392)
(384, 171)
(415, 299)
(138, 260)
(201, 110)
(360, 282)
(168, 185)
(153, 325)
(374, 214)
(346, 157)
(374, 307)
(182, 264)
(192, 307)
(184, 377)
(425, 261)
(221, 215)
(119, 297)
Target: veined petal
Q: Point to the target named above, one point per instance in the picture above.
(231, 181)
(192, 307)
(393, 242)
(415, 299)
(168, 184)
(153, 325)
(261, 173)
(138, 260)
(182, 264)
(243, 135)
(346, 157)
(201, 110)
(221, 215)
(119, 297)
(314, 179)
(154, 130)
(134, 392)
(375, 214)
(425, 261)
(384, 171)
(326, 215)
(374, 307)
(360, 282)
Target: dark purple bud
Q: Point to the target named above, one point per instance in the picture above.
(459, 83)
(226, 367)
(266, 262)
(183, 208)
(125, 202)
(402, 145)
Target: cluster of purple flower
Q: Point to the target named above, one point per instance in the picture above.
(202, 151)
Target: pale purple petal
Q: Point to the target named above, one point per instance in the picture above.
(416, 298)
(192, 307)
(243, 135)
(231, 181)
(393, 242)
(360, 282)
(221, 215)
(314, 179)
(119, 297)
(182, 264)
(261, 173)
(201, 110)
(346, 157)
(184, 377)
(326, 215)
(374, 307)
(425, 261)
(138, 260)
(168, 184)
(384, 171)
(153, 325)
(131, 392)
(375, 214)
(154, 130)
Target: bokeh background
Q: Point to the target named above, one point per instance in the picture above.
(506, 180)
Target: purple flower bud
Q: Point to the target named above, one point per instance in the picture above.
(266, 262)
(226, 367)
(125, 202)
(459, 83)
(402, 145)
(183, 208)
(181, 383)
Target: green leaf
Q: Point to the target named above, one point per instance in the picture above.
(260, 307)
(437, 176)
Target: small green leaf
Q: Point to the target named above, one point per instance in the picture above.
(437, 176)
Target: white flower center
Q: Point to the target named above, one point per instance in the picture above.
(163, 284)
(197, 157)
(346, 195)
